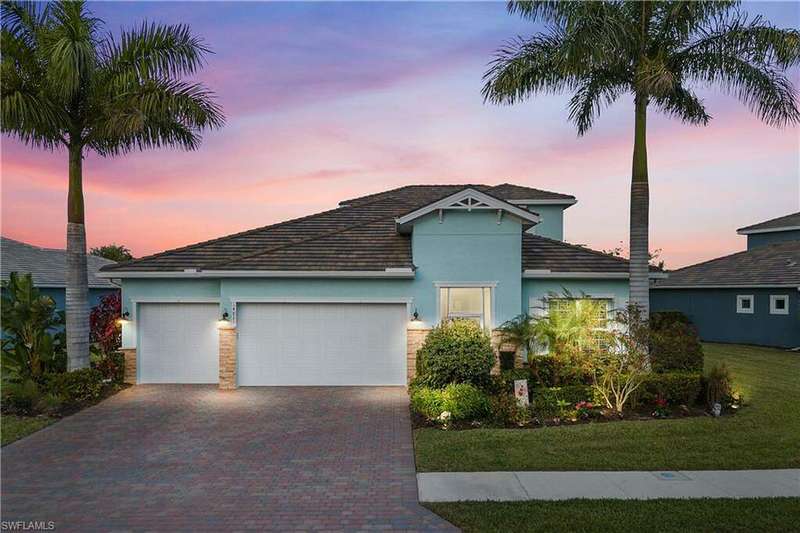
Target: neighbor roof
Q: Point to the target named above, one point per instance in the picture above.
(784, 223)
(47, 265)
(361, 235)
(770, 265)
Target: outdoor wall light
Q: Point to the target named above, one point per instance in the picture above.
(225, 316)
(415, 316)
(225, 321)
(125, 318)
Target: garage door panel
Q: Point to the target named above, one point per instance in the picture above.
(178, 343)
(321, 344)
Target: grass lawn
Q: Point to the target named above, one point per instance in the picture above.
(773, 514)
(15, 427)
(762, 435)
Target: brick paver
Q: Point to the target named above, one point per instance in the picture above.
(171, 457)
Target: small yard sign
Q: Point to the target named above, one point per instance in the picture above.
(521, 392)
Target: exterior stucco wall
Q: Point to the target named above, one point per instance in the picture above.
(713, 311)
(760, 239)
(59, 296)
(467, 247)
(534, 291)
(552, 221)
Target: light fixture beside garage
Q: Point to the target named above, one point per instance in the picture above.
(125, 318)
(224, 322)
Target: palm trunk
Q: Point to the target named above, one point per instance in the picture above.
(77, 282)
(640, 214)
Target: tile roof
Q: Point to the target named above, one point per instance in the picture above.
(358, 236)
(770, 264)
(786, 221)
(47, 265)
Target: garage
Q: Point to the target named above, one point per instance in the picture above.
(178, 343)
(321, 343)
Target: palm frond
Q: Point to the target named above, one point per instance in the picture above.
(683, 104)
(596, 92)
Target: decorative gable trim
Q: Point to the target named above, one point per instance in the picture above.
(467, 200)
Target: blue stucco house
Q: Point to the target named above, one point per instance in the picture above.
(48, 269)
(750, 297)
(346, 296)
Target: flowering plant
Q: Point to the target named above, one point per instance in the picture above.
(661, 410)
(584, 410)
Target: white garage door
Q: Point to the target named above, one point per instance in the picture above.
(321, 344)
(178, 343)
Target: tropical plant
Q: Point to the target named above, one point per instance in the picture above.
(104, 330)
(718, 385)
(68, 85)
(622, 368)
(114, 252)
(658, 52)
(32, 340)
(520, 331)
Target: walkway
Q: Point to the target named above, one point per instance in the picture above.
(514, 486)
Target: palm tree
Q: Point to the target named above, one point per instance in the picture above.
(67, 85)
(658, 52)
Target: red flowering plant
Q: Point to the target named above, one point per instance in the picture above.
(105, 335)
(661, 409)
(584, 410)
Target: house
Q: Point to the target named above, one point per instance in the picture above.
(48, 268)
(749, 297)
(346, 296)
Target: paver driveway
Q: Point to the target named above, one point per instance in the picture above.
(171, 457)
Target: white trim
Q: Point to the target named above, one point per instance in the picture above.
(767, 230)
(317, 300)
(388, 273)
(491, 285)
(745, 311)
(773, 298)
(175, 300)
(543, 202)
(734, 286)
(547, 274)
(454, 201)
(466, 284)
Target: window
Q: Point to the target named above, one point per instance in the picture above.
(745, 303)
(563, 305)
(779, 304)
(471, 303)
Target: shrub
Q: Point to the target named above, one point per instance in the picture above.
(675, 345)
(110, 365)
(718, 385)
(660, 319)
(462, 400)
(503, 383)
(21, 397)
(33, 341)
(457, 351)
(505, 411)
(552, 401)
(677, 388)
(550, 371)
(77, 387)
(105, 333)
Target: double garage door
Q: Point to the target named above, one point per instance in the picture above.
(277, 343)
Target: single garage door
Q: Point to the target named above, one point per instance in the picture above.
(178, 343)
(321, 344)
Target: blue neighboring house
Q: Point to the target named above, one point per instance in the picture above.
(750, 297)
(48, 268)
(347, 296)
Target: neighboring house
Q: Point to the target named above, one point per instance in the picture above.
(345, 297)
(48, 267)
(749, 297)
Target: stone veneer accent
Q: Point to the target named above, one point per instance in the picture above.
(130, 365)
(416, 337)
(227, 358)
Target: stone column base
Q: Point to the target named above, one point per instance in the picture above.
(227, 358)
(130, 365)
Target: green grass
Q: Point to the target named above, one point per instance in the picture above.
(15, 427)
(762, 435)
(771, 514)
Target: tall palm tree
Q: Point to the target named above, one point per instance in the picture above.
(658, 52)
(67, 85)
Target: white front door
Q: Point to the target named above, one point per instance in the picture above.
(321, 344)
(178, 343)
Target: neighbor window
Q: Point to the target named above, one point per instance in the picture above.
(470, 303)
(745, 303)
(779, 304)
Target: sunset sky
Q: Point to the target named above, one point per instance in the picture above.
(329, 101)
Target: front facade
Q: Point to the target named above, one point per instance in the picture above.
(347, 296)
(750, 297)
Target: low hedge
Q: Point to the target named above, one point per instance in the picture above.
(462, 400)
(456, 351)
(77, 387)
(678, 388)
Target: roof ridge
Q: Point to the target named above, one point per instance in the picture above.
(301, 241)
(232, 235)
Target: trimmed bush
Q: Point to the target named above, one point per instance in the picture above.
(674, 344)
(77, 387)
(457, 351)
(503, 383)
(462, 400)
(678, 388)
(554, 371)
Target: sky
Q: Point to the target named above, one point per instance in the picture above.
(328, 101)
